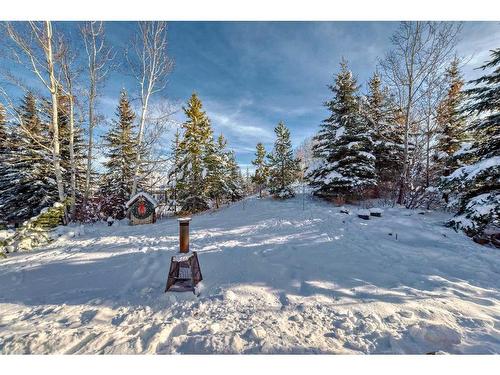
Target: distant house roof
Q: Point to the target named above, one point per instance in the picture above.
(141, 194)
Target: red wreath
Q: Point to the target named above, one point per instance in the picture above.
(141, 209)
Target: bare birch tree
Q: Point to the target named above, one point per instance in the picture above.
(36, 52)
(419, 50)
(150, 64)
(99, 56)
(156, 133)
(68, 89)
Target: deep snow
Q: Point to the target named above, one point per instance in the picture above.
(277, 279)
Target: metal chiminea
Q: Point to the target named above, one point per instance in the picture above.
(185, 272)
(184, 234)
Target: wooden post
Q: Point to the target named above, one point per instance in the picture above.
(184, 234)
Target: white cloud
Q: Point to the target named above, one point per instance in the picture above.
(237, 124)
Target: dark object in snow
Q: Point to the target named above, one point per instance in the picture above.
(377, 212)
(487, 239)
(184, 273)
(481, 240)
(495, 240)
(364, 216)
(344, 211)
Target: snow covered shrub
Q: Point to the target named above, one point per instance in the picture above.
(285, 193)
(112, 205)
(92, 210)
(194, 204)
(477, 188)
(422, 197)
(49, 218)
(480, 213)
(36, 231)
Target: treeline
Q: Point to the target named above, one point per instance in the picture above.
(417, 137)
(278, 170)
(204, 172)
(48, 129)
(49, 116)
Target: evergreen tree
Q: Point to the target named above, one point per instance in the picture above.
(174, 169)
(192, 153)
(451, 121)
(3, 126)
(216, 162)
(234, 178)
(261, 169)
(63, 118)
(26, 175)
(343, 147)
(283, 167)
(31, 121)
(387, 135)
(479, 182)
(248, 184)
(121, 153)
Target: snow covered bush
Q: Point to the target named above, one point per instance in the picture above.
(480, 213)
(37, 230)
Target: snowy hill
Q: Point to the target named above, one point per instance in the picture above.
(277, 279)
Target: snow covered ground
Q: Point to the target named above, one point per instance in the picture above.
(277, 279)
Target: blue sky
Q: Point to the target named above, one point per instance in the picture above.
(251, 75)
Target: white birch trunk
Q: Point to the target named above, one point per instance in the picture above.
(55, 125)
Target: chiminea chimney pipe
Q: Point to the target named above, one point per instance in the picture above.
(184, 234)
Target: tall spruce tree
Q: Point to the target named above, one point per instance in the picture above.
(217, 166)
(26, 175)
(261, 169)
(387, 134)
(121, 153)
(451, 120)
(283, 167)
(479, 182)
(345, 164)
(234, 178)
(193, 150)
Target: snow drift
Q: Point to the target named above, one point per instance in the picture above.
(277, 279)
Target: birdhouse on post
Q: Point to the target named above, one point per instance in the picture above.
(142, 209)
(185, 272)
